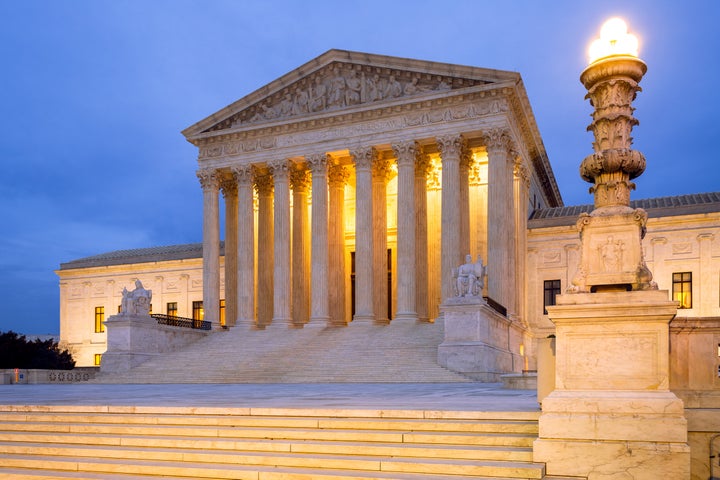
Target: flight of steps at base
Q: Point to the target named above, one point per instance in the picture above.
(108, 442)
(356, 353)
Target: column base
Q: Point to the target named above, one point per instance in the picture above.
(405, 317)
(363, 319)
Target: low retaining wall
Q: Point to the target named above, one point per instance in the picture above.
(37, 376)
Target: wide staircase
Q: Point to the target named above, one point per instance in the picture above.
(357, 353)
(106, 442)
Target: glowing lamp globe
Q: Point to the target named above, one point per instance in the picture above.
(614, 40)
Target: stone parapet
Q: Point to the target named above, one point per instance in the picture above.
(135, 339)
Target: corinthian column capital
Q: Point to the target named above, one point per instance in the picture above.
(337, 175)
(450, 145)
(405, 152)
(280, 169)
(318, 162)
(209, 178)
(363, 157)
(243, 174)
(499, 139)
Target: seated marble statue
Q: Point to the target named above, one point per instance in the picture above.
(136, 302)
(469, 278)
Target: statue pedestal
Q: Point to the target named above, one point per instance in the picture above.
(479, 342)
(135, 339)
(612, 410)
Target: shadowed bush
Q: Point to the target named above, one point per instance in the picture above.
(17, 352)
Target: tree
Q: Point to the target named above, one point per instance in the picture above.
(17, 352)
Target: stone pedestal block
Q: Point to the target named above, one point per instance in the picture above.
(612, 415)
(479, 342)
(135, 339)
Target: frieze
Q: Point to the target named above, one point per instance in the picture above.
(413, 119)
(341, 85)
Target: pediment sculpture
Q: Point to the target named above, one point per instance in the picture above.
(342, 85)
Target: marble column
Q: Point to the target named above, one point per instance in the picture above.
(363, 158)
(521, 193)
(300, 182)
(210, 182)
(245, 247)
(281, 244)
(451, 255)
(230, 194)
(406, 241)
(380, 174)
(337, 177)
(464, 168)
(501, 218)
(266, 264)
(319, 304)
(422, 165)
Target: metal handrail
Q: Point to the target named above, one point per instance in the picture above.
(173, 321)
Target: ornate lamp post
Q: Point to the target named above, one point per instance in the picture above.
(612, 413)
(612, 256)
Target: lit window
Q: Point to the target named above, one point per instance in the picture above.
(551, 289)
(198, 313)
(99, 319)
(222, 312)
(682, 289)
(172, 309)
(98, 358)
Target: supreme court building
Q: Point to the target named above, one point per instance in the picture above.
(365, 165)
(354, 185)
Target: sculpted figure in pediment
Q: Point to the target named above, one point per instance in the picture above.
(318, 96)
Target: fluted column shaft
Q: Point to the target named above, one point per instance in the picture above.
(405, 154)
(319, 304)
(337, 177)
(521, 194)
(245, 247)
(299, 180)
(364, 312)
(464, 167)
(230, 194)
(266, 264)
(281, 245)
(380, 172)
(422, 164)
(210, 182)
(451, 255)
(501, 218)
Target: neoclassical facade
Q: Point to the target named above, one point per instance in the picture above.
(332, 153)
(417, 164)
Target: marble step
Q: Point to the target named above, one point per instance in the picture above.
(248, 466)
(275, 474)
(358, 353)
(464, 452)
(357, 423)
(382, 436)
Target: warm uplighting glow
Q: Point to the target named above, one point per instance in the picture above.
(614, 40)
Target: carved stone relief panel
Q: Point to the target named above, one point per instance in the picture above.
(340, 85)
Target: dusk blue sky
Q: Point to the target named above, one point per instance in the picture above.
(94, 94)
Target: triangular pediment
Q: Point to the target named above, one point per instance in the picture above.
(341, 80)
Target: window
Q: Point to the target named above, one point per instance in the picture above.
(551, 289)
(682, 289)
(99, 319)
(119, 308)
(222, 312)
(198, 312)
(172, 309)
(98, 358)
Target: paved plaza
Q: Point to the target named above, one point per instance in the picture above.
(391, 396)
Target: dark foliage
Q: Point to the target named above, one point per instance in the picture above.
(17, 352)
